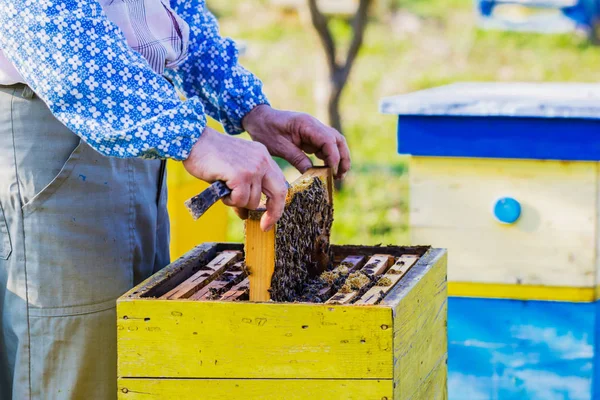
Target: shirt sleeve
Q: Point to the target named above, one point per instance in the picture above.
(80, 65)
(212, 72)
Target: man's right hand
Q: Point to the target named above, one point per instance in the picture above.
(247, 169)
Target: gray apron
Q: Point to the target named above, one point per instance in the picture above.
(77, 230)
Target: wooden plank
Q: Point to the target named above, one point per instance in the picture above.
(376, 265)
(174, 273)
(260, 246)
(522, 292)
(597, 249)
(435, 386)
(238, 292)
(295, 341)
(420, 302)
(513, 258)
(255, 389)
(552, 244)
(226, 281)
(260, 259)
(342, 251)
(393, 276)
(352, 263)
(203, 277)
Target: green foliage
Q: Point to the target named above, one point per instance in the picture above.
(431, 8)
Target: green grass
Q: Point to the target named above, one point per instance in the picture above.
(285, 53)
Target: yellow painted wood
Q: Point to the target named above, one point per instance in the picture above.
(554, 242)
(434, 387)
(254, 389)
(260, 259)
(521, 292)
(420, 333)
(597, 227)
(185, 232)
(193, 339)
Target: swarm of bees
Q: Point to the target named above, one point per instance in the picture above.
(303, 268)
(356, 281)
(302, 242)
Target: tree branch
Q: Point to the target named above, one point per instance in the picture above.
(359, 24)
(321, 25)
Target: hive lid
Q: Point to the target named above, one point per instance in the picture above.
(549, 121)
(541, 100)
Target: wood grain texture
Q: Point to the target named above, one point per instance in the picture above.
(352, 263)
(237, 292)
(254, 389)
(552, 244)
(260, 259)
(434, 386)
(204, 276)
(522, 292)
(376, 265)
(420, 303)
(342, 251)
(179, 270)
(229, 278)
(393, 275)
(253, 340)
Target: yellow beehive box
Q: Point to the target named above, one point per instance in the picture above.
(190, 349)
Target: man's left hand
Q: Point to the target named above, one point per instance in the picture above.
(290, 135)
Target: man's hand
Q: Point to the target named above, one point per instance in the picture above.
(290, 135)
(245, 167)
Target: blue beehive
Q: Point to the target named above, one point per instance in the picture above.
(507, 178)
(543, 16)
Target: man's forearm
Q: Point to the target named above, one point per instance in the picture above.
(79, 63)
(212, 71)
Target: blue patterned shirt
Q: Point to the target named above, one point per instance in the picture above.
(80, 64)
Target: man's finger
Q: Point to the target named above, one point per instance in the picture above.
(255, 192)
(239, 196)
(331, 155)
(297, 158)
(345, 162)
(275, 188)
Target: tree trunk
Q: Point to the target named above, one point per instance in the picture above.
(338, 70)
(333, 106)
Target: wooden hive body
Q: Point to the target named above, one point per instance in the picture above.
(213, 349)
(477, 145)
(473, 145)
(548, 254)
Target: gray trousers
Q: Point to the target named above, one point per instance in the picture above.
(77, 230)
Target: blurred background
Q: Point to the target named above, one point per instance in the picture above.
(408, 45)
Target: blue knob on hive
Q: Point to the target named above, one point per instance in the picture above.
(507, 210)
